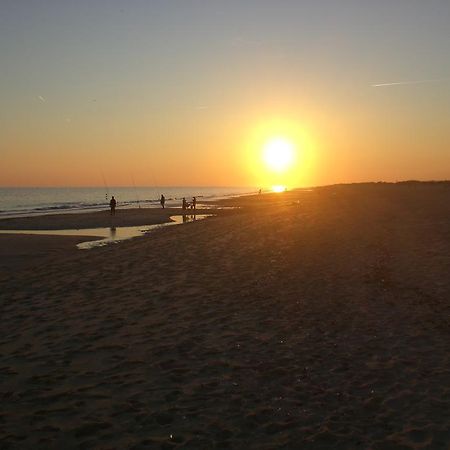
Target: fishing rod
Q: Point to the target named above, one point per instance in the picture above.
(153, 178)
(135, 191)
(105, 184)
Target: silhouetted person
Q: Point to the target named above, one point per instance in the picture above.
(259, 192)
(184, 203)
(112, 205)
(163, 200)
(194, 202)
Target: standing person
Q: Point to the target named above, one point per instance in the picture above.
(112, 205)
(184, 203)
(194, 202)
(163, 201)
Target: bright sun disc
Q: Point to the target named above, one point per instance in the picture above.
(278, 154)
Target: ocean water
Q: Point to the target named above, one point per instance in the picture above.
(16, 202)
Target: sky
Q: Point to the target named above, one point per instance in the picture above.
(187, 92)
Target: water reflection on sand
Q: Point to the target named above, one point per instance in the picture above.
(112, 234)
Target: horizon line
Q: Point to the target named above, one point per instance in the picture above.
(406, 180)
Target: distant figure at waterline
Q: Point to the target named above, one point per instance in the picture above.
(184, 204)
(112, 205)
(194, 202)
(163, 201)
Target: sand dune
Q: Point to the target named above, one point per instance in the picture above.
(313, 320)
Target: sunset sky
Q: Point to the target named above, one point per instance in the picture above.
(189, 92)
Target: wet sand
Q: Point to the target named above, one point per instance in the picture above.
(100, 219)
(313, 320)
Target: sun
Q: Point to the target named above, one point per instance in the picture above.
(278, 188)
(278, 154)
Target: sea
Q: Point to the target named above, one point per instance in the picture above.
(19, 202)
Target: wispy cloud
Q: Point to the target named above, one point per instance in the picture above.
(399, 83)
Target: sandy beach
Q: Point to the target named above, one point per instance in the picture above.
(315, 319)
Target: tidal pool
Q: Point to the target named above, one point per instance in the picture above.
(112, 235)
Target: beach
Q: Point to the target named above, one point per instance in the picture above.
(312, 319)
(122, 218)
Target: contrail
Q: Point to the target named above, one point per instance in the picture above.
(398, 83)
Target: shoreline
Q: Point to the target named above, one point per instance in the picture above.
(15, 239)
(101, 219)
(76, 208)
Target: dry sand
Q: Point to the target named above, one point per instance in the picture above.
(312, 320)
